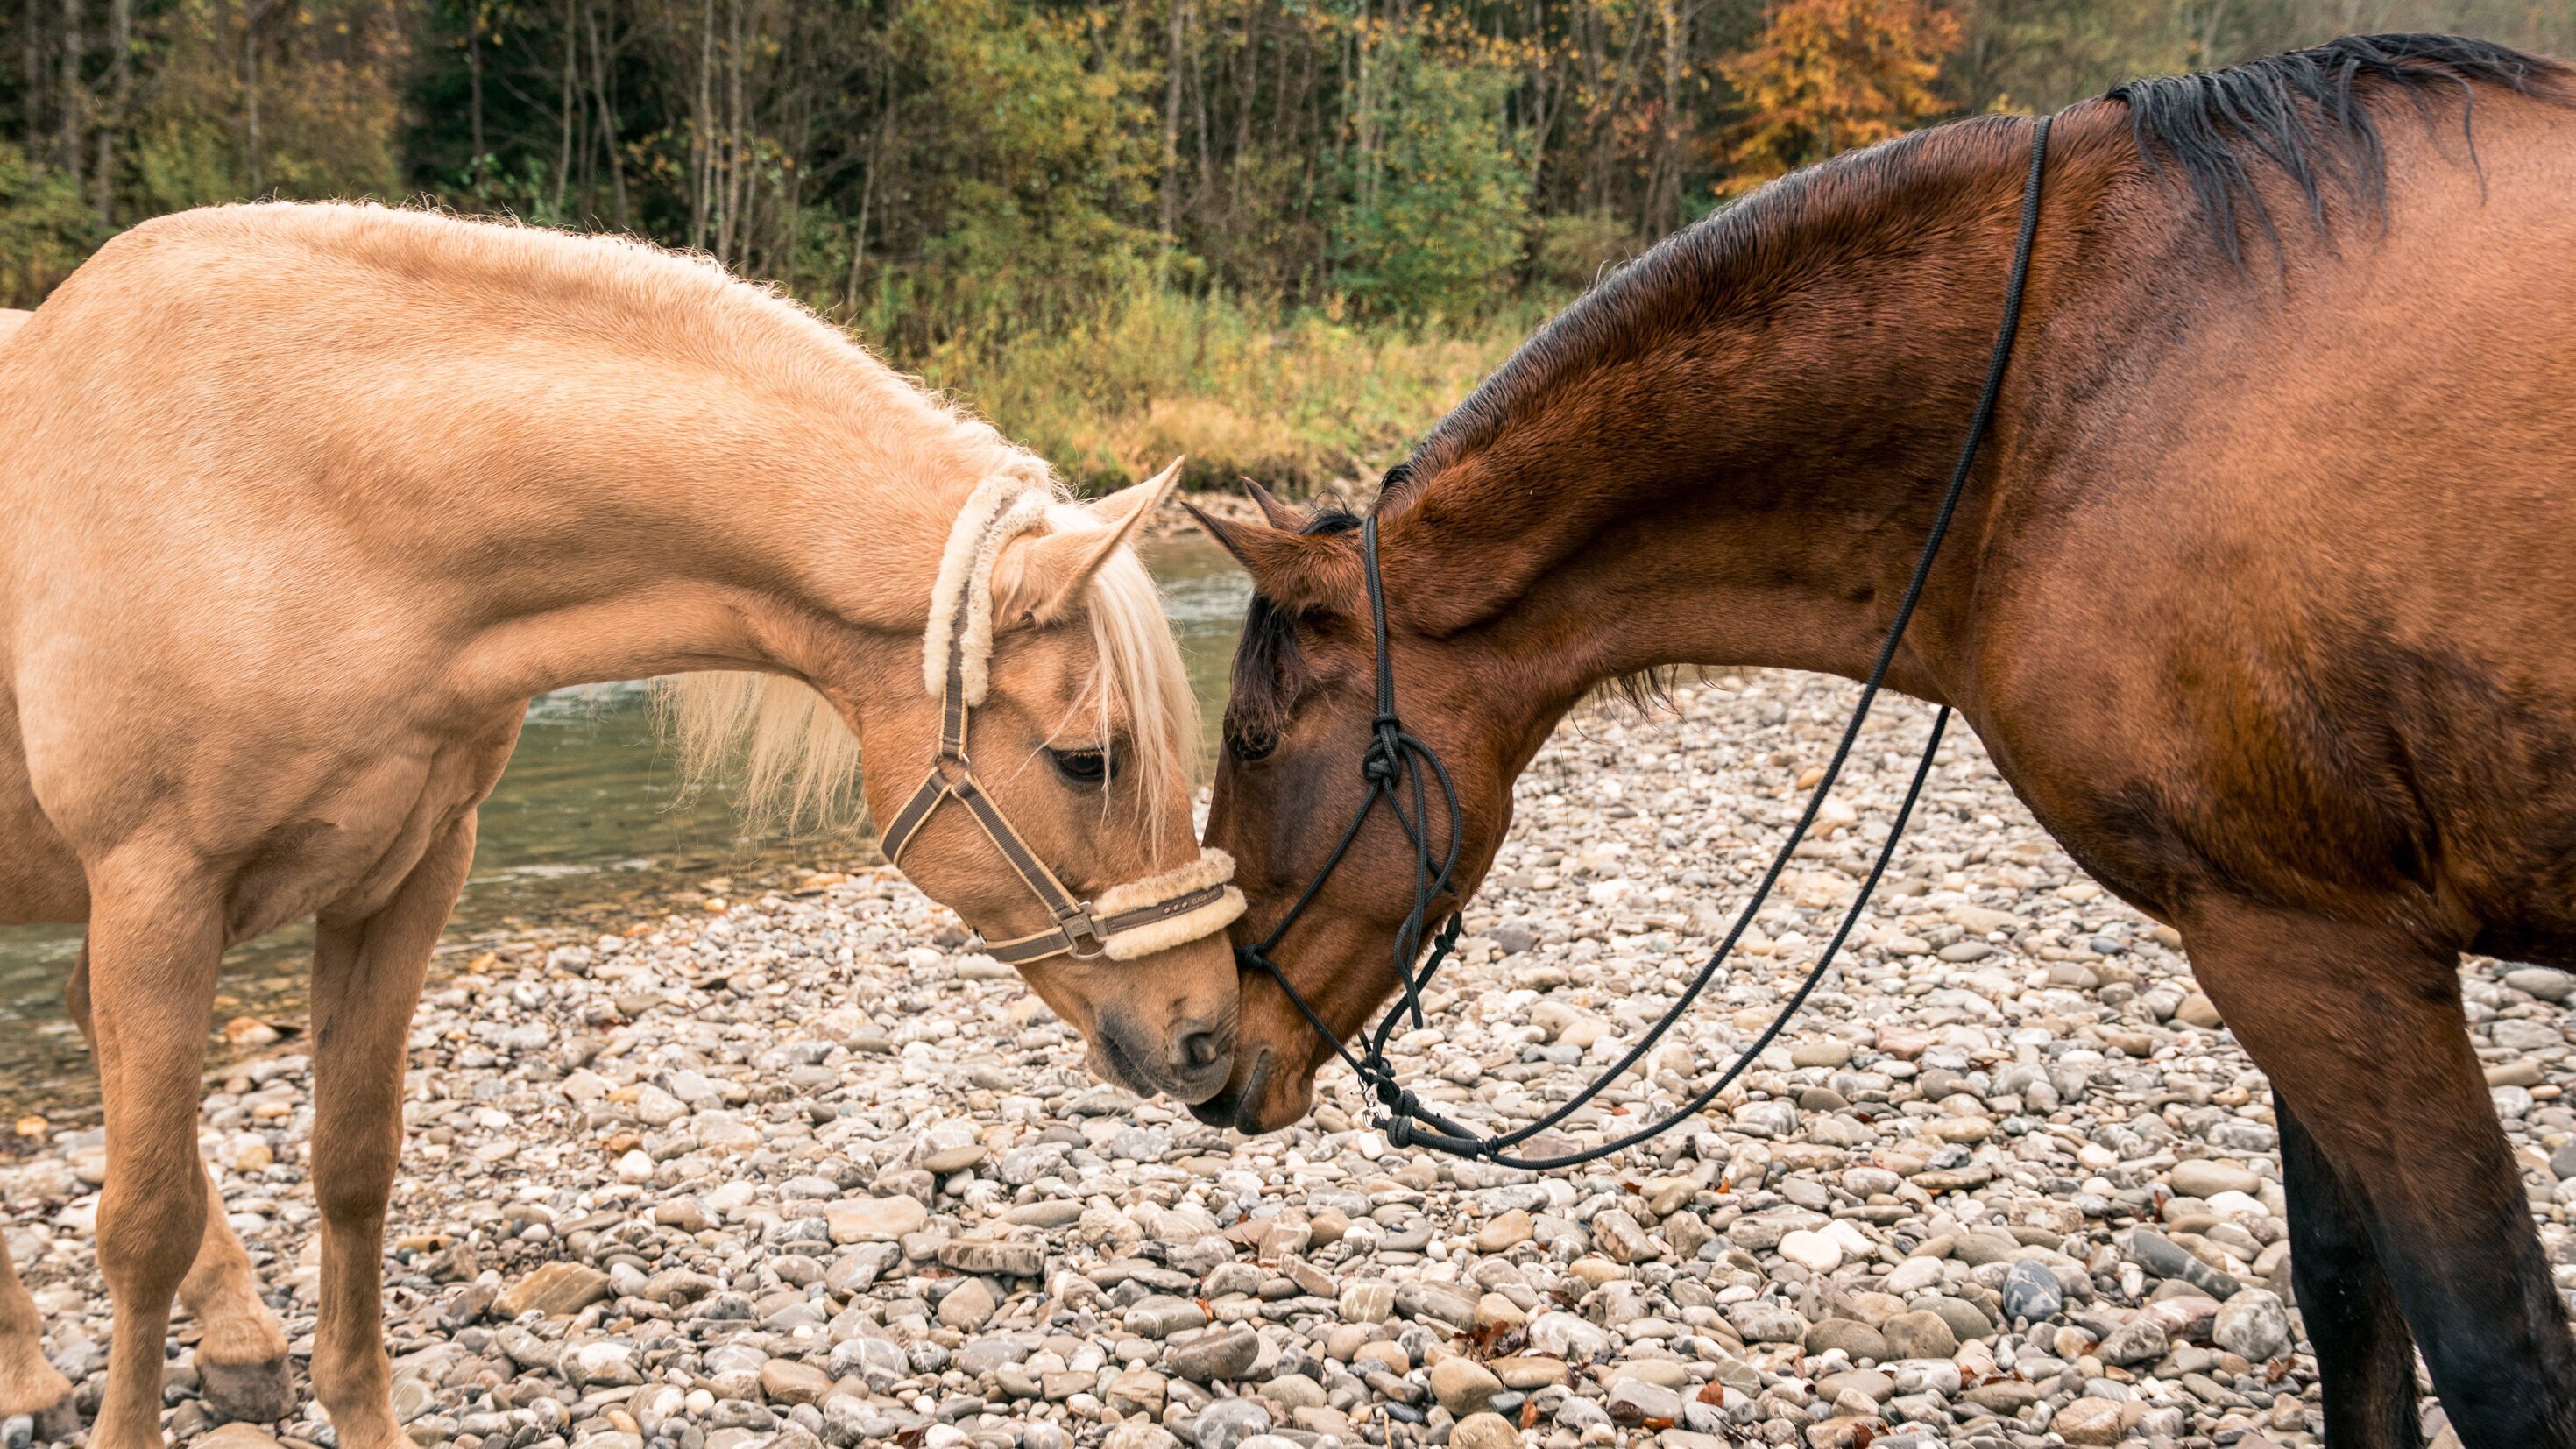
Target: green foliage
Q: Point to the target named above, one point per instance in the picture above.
(1051, 165)
(45, 228)
(1573, 252)
(1439, 198)
(1279, 235)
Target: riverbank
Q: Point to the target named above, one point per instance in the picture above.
(789, 1165)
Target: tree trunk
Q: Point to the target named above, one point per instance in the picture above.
(31, 80)
(570, 99)
(730, 222)
(603, 88)
(250, 90)
(73, 140)
(1663, 209)
(120, 83)
(702, 135)
(474, 89)
(1177, 15)
(868, 189)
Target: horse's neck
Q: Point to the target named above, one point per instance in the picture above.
(668, 525)
(1748, 488)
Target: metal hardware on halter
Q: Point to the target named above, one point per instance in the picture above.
(1395, 757)
(991, 518)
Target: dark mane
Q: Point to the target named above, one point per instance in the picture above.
(2308, 113)
(1267, 668)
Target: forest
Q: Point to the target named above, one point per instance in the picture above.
(1279, 234)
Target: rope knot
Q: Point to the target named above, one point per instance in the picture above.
(1397, 1100)
(1381, 766)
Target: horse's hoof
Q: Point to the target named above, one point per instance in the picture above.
(43, 1397)
(261, 1392)
(53, 1423)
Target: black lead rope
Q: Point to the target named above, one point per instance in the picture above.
(1396, 761)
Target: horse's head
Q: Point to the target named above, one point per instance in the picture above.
(1030, 760)
(1297, 730)
(1065, 782)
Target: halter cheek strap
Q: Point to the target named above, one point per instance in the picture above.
(1130, 921)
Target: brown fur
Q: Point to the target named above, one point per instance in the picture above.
(305, 503)
(2261, 599)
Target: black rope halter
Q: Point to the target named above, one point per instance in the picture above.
(1396, 762)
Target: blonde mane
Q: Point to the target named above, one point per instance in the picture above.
(797, 766)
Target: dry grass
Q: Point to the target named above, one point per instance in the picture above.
(1296, 402)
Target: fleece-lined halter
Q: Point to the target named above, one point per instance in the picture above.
(1128, 921)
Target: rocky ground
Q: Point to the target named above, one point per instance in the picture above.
(802, 1166)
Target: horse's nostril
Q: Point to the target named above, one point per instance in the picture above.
(1196, 1051)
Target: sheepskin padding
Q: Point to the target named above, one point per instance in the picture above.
(1213, 867)
(1207, 920)
(999, 510)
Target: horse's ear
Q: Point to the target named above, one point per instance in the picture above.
(1037, 580)
(1280, 514)
(1127, 507)
(1299, 570)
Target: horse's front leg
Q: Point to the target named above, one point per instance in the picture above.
(241, 1357)
(2362, 1030)
(155, 944)
(366, 981)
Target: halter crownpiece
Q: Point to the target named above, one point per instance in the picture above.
(960, 636)
(1129, 921)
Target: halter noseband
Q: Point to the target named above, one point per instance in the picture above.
(1129, 921)
(1395, 761)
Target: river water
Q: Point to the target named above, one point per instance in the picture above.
(588, 819)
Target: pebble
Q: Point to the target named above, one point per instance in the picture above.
(2254, 1325)
(1920, 1334)
(876, 1219)
(837, 1180)
(2203, 1178)
(2031, 1292)
(2089, 1421)
(968, 1307)
(1216, 1356)
(1229, 1423)
(1462, 1385)
(1634, 1401)
(556, 1290)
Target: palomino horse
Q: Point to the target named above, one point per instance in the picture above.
(306, 503)
(2260, 597)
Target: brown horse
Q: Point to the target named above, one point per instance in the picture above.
(2261, 597)
(304, 505)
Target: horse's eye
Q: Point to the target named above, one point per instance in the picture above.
(1084, 767)
(1248, 748)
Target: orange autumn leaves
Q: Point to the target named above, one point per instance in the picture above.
(1828, 75)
